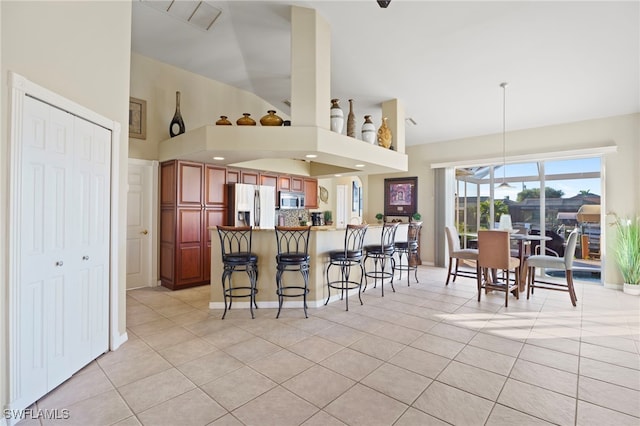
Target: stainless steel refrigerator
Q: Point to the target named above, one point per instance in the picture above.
(252, 205)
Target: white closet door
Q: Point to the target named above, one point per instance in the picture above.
(92, 183)
(64, 267)
(46, 241)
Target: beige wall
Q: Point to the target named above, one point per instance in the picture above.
(202, 102)
(80, 50)
(622, 171)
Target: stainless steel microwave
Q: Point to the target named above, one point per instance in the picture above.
(291, 200)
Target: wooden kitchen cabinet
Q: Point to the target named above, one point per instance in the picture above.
(192, 198)
(284, 183)
(250, 177)
(269, 179)
(310, 193)
(297, 184)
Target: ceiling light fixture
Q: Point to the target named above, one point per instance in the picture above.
(218, 158)
(311, 156)
(359, 165)
(504, 183)
(384, 3)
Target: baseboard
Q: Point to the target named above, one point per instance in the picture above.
(117, 340)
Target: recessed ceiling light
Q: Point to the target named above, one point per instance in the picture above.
(311, 156)
(359, 165)
(338, 175)
(218, 158)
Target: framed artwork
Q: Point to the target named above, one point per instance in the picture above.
(137, 118)
(400, 196)
(355, 196)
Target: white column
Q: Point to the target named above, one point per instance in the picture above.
(394, 111)
(310, 68)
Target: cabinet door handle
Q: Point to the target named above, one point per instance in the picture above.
(59, 263)
(145, 232)
(85, 257)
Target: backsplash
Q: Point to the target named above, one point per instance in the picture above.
(292, 217)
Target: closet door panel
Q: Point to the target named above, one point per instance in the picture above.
(92, 148)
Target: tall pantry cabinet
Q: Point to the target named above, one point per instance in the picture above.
(192, 198)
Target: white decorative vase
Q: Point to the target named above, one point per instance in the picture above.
(632, 289)
(337, 117)
(369, 132)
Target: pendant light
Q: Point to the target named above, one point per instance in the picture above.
(504, 183)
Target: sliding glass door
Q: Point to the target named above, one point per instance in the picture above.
(546, 197)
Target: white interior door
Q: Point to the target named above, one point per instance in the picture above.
(140, 224)
(62, 312)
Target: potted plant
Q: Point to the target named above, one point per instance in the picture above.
(328, 218)
(379, 217)
(627, 253)
(416, 217)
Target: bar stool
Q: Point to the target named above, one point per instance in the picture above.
(293, 255)
(382, 253)
(235, 246)
(409, 249)
(351, 255)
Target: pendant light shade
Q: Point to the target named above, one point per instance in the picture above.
(504, 183)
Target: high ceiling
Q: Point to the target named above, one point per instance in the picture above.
(565, 61)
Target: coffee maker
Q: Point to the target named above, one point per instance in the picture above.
(316, 218)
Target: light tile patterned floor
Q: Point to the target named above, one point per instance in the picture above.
(427, 354)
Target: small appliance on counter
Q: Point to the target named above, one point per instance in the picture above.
(317, 219)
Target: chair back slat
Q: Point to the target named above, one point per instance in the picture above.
(294, 239)
(354, 237)
(388, 237)
(235, 239)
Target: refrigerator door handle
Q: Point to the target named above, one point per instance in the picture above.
(256, 207)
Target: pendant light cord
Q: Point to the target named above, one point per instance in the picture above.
(504, 131)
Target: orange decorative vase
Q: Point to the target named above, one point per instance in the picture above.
(245, 120)
(384, 134)
(271, 119)
(223, 121)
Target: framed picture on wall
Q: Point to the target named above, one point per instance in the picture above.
(137, 118)
(400, 196)
(355, 196)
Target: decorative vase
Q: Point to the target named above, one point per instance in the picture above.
(177, 124)
(632, 289)
(384, 134)
(271, 119)
(337, 117)
(351, 121)
(368, 130)
(245, 120)
(223, 121)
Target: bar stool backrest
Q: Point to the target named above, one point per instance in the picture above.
(413, 233)
(235, 239)
(388, 236)
(354, 238)
(294, 239)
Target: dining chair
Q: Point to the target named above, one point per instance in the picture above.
(494, 254)
(554, 262)
(458, 253)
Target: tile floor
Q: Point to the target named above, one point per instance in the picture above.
(425, 355)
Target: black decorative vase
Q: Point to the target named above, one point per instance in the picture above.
(177, 124)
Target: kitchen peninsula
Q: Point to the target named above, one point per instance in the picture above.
(322, 240)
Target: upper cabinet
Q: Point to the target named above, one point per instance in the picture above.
(297, 184)
(310, 193)
(269, 179)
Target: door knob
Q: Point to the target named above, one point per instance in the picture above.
(85, 257)
(145, 232)
(59, 263)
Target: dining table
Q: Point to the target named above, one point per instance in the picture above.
(524, 242)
